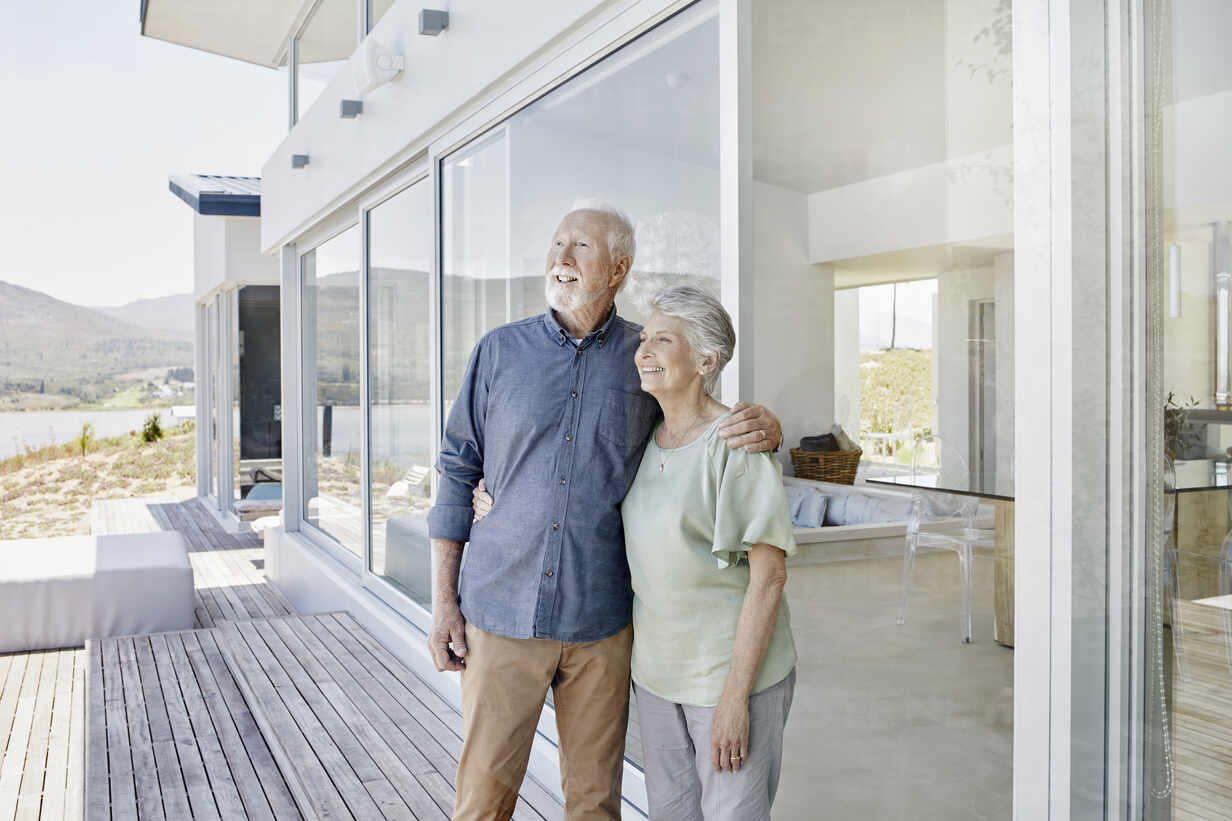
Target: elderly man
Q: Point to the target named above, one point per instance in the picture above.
(552, 417)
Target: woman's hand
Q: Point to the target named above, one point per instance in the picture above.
(481, 501)
(729, 734)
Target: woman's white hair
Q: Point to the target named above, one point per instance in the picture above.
(707, 326)
(621, 238)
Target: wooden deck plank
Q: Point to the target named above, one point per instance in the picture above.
(347, 783)
(268, 776)
(30, 793)
(166, 757)
(192, 768)
(394, 674)
(416, 778)
(308, 779)
(237, 791)
(343, 702)
(74, 796)
(119, 757)
(145, 766)
(97, 789)
(13, 763)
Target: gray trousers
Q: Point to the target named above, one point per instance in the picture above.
(681, 784)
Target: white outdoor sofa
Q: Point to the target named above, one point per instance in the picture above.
(58, 592)
(872, 528)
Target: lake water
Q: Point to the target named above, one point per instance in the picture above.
(401, 433)
(38, 429)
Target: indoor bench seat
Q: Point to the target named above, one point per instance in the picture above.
(60, 591)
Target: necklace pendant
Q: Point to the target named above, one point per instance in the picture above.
(660, 467)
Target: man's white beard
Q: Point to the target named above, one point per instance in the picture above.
(560, 300)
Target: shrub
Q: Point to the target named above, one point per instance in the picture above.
(152, 430)
(84, 438)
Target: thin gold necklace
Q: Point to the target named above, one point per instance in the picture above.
(666, 454)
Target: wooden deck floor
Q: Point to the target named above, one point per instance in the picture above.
(228, 568)
(322, 717)
(41, 734)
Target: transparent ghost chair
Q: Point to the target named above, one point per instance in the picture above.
(946, 521)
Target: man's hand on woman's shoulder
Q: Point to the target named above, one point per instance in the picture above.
(752, 427)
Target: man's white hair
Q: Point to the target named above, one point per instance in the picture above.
(621, 238)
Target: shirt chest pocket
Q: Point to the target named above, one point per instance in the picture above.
(625, 419)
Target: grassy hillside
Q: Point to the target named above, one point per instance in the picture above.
(51, 347)
(896, 391)
(48, 492)
(173, 314)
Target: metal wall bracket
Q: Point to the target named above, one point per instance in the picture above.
(433, 21)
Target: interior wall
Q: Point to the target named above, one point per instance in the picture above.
(847, 360)
(793, 319)
(1189, 340)
(1003, 272)
(955, 292)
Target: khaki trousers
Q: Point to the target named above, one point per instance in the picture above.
(503, 689)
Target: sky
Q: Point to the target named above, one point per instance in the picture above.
(915, 306)
(94, 118)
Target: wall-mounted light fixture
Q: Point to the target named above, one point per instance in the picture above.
(433, 21)
(1174, 281)
(350, 109)
(299, 160)
(375, 67)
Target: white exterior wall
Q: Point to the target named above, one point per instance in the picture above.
(227, 253)
(209, 254)
(485, 40)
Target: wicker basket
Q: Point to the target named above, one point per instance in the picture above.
(838, 466)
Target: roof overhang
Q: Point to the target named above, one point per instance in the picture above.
(254, 31)
(217, 195)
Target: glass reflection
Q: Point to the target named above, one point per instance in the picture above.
(1189, 257)
(400, 415)
(330, 355)
(883, 265)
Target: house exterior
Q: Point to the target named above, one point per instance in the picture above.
(236, 340)
(1037, 161)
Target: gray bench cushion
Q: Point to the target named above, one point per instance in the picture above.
(58, 592)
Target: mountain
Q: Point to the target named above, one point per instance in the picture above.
(164, 313)
(66, 346)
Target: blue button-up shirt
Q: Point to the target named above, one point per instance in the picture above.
(556, 428)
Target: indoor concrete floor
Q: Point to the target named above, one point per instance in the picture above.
(893, 722)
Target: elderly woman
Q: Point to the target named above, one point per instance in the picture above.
(707, 533)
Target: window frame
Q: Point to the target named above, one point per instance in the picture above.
(330, 229)
(419, 173)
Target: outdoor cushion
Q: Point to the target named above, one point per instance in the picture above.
(58, 592)
(807, 506)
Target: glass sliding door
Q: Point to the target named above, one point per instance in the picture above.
(211, 387)
(400, 248)
(1188, 704)
(331, 371)
(883, 302)
(638, 130)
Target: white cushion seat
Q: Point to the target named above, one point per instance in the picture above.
(60, 591)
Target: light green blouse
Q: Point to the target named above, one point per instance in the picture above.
(688, 528)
